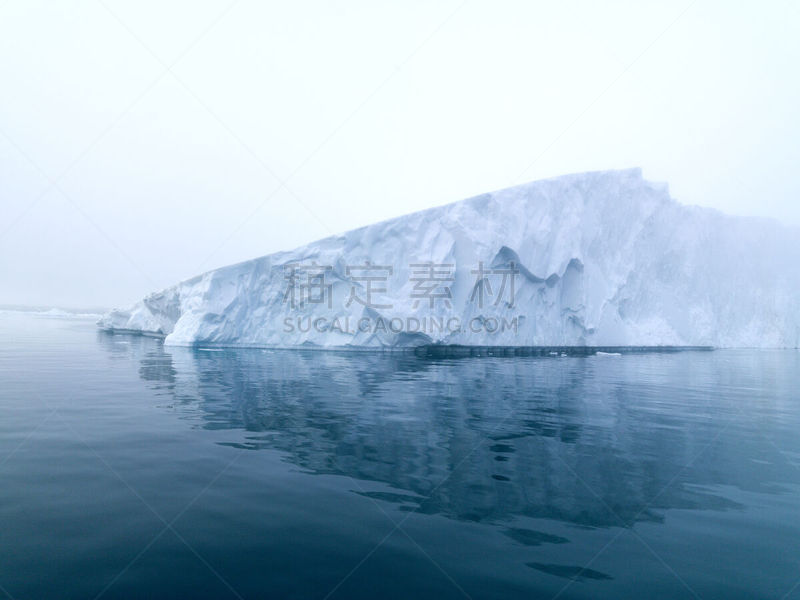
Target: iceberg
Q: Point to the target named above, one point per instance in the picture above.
(600, 259)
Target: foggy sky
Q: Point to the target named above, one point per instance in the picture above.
(144, 142)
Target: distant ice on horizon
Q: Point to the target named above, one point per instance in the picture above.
(52, 312)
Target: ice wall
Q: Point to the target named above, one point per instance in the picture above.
(602, 258)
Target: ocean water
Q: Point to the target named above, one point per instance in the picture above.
(133, 470)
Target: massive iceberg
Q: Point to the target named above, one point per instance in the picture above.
(595, 259)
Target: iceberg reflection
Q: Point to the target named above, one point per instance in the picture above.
(586, 441)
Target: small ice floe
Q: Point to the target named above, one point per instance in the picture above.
(608, 354)
(211, 349)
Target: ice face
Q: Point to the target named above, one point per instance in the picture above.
(598, 259)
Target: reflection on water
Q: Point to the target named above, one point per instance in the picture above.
(592, 442)
(333, 475)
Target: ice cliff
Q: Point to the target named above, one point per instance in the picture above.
(597, 259)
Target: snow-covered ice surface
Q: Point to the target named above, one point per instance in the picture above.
(603, 259)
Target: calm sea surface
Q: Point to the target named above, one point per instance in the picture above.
(133, 470)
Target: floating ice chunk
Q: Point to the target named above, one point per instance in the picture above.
(596, 259)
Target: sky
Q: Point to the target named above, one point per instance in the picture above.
(144, 142)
